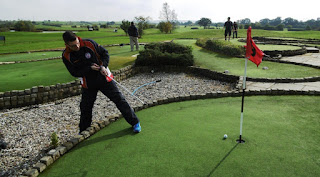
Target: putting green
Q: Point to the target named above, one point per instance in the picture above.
(186, 139)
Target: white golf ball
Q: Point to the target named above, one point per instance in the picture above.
(225, 136)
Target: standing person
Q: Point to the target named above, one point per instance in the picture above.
(235, 30)
(228, 28)
(86, 59)
(133, 34)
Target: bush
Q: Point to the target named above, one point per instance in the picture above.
(24, 26)
(167, 53)
(54, 140)
(202, 42)
(221, 46)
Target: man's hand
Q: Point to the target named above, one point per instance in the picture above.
(103, 71)
(95, 67)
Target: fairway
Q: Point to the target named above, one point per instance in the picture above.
(219, 62)
(26, 75)
(186, 139)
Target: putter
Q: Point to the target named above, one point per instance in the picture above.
(110, 78)
(145, 85)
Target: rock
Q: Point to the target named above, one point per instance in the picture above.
(265, 68)
(3, 145)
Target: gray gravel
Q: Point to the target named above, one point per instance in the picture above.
(28, 131)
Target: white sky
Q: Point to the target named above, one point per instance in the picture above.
(117, 10)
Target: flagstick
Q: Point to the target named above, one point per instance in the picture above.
(240, 140)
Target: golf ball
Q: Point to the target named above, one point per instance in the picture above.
(225, 136)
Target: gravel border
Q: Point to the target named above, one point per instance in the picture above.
(28, 132)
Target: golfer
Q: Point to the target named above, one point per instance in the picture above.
(86, 59)
(228, 27)
(235, 30)
(133, 34)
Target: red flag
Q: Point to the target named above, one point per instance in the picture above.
(253, 53)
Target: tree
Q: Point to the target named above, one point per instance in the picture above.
(264, 21)
(276, 21)
(205, 22)
(245, 21)
(280, 27)
(187, 23)
(142, 23)
(24, 26)
(95, 27)
(168, 15)
(165, 27)
(308, 28)
(290, 21)
(124, 26)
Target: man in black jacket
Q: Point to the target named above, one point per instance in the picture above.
(133, 34)
(228, 27)
(86, 59)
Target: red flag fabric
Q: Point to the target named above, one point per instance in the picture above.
(253, 53)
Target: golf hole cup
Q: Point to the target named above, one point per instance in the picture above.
(225, 136)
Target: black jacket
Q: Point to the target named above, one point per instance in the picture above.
(79, 62)
(133, 31)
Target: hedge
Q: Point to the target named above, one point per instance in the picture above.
(223, 47)
(167, 53)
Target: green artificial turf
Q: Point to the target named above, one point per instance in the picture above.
(26, 75)
(28, 56)
(186, 139)
(218, 62)
(27, 41)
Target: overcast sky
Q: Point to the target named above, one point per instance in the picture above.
(117, 10)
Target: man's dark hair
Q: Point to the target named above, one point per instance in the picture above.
(69, 36)
(132, 23)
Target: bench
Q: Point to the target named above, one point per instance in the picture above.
(3, 38)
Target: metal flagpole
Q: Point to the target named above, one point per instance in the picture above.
(240, 140)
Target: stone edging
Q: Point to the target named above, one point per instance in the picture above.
(45, 94)
(56, 153)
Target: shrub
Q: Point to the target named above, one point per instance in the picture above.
(167, 53)
(54, 140)
(221, 46)
(24, 26)
(202, 42)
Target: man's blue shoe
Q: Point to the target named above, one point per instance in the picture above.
(137, 128)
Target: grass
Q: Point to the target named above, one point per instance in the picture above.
(27, 41)
(26, 75)
(185, 139)
(28, 56)
(218, 62)
(266, 46)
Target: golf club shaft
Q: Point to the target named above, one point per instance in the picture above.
(128, 91)
(144, 85)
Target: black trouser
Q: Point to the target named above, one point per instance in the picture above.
(110, 90)
(235, 32)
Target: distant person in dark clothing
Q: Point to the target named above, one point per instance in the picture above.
(133, 34)
(235, 30)
(228, 28)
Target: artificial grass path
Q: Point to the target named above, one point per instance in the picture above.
(185, 139)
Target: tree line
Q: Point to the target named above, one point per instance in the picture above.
(266, 24)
